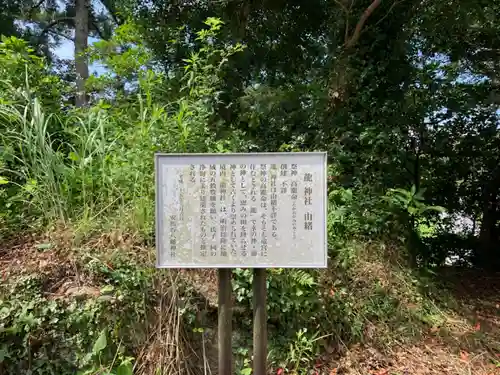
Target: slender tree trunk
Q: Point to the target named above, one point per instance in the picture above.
(341, 75)
(81, 43)
(488, 236)
(488, 223)
(416, 180)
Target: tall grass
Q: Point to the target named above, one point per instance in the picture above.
(36, 165)
(93, 164)
(65, 175)
(96, 163)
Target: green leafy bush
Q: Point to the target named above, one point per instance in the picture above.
(81, 165)
(44, 334)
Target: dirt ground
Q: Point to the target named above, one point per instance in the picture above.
(458, 353)
(428, 357)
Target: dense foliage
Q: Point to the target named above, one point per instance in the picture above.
(404, 96)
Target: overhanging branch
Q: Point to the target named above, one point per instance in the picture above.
(362, 20)
(51, 24)
(389, 11)
(59, 34)
(97, 30)
(36, 6)
(346, 13)
(110, 7)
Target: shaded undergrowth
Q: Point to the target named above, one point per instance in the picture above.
(56, 299)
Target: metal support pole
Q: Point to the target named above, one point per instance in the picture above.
(259, 322)
(225, 318)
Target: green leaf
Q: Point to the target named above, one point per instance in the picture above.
(101, 343)
(107, 289)
(435, 208)
(220, 148)
(125, 368)
(4, 353)
(43, 246)
(246, 371)
(73, 156)
(3, 181)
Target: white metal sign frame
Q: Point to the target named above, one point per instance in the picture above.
(313, 163)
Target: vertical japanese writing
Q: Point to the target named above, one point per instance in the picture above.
(284, 186)
(223, 236)
(213, 209)
(253, 235)
(233, 215)
(308, 195)
(203, 210)
(308, 201)
(243, 211)
(283, 170)
(274, 201)
(263, 191)
(253, 188)
(308, 221)
(263, 216)
(173, 236)
(181, 195)
(192, 174)
(222, 187)
(191, 181)
(253, 209)
(222, 202)
(178, 186)
(294, 196)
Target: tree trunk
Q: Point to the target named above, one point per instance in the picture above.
(488, 223)
(488, 236)
(81, 43)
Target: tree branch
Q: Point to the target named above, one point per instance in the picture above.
(347, 13)
(51, 24)
(110, 7)
(389, 11)
(115, 18)
(62, 35)
(359, 26)
(37, 5)
(97, 30)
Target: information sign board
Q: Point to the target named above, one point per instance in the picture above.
(258, 210)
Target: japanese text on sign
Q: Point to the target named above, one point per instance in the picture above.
(241, 210)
